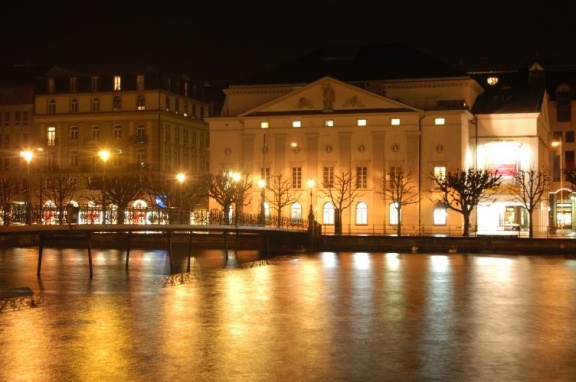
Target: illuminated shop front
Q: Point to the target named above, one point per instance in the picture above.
(562, 204)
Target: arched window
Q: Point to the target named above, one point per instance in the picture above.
(361, 213)
(328, 213)
(440, 214)
(296, 212)
(393, 213)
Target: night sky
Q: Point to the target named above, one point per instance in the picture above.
(220, 42)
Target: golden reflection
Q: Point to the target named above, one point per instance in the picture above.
(329, 259)
(393, 261)
(439, 263)
(361, 260)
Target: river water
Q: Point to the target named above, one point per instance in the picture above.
(301, 317)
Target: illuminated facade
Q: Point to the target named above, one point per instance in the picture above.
(151, 123)
(391, 109)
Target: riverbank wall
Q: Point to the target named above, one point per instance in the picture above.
(278, 242)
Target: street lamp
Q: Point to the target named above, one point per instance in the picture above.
(180, 177)
(104, 155)
(311, 184)
(262, 185)
(560, 202)
(28, 155)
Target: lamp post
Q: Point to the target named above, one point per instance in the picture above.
(262, 185)
(180, 177)
(27, 155)
(311, 184)
(104, 155)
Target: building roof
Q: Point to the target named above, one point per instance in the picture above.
(355, 64)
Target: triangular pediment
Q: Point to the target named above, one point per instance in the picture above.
(329, 95)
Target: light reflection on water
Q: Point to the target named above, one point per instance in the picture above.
(301, 317)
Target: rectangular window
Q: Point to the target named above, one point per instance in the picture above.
(140, 82)
(117, 83)
(73, 84)
(361, 177)
(569, 137)
(117, 131)
(395, 121)
(297, 177)
(563, 106)
(25, 118)
(95, 83)
(264, 125)
(141, 158)
(73, 159)
(439, 121)
(329, 123)
(569, 160)
(439, 172)
(51, 85)
(95, 132)
(393, 175)
(51, 138)
(17, 117)
(361, 122)
(74, 132)
(296, 124)
(7, 118)
(265, 173)
(328, 177)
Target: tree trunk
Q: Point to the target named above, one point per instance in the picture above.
(337, 222)
(466, 231)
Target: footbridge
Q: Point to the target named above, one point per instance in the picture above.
(265, 239)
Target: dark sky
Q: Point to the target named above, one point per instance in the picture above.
(221, 42)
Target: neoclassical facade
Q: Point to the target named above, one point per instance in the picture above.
(374, 111)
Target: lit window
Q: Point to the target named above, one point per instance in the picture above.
(492, 81)
(296, 124)
(440, 172)
(361, 122)
(395, 122)
(329, 123)
(296, 212)
(141, 103)
(117, 83)
(393, 213)
(328, 213)
(361, 213)
(51, 136)
(440, 214)
(439, 121)
(264, 125)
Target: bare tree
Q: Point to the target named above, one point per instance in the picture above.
(228, 189)
(120, 190)
(531, 185)
(9, 187)
(401, 190)
(61, 190)
(283, 195)
(462, 190)
(342, 191)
